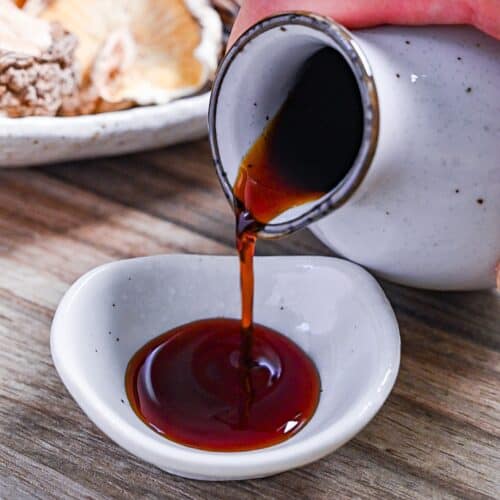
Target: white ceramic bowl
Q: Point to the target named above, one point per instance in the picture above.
(333, 309)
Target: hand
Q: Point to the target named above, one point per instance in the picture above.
(483, 14)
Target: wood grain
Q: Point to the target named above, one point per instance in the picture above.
(438, 435)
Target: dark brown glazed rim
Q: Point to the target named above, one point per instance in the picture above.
(356, 59)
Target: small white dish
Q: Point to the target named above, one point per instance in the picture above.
(40, 139)
(333, 309)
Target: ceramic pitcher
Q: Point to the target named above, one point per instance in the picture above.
(421, 204)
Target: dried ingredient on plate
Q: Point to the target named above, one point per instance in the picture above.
(138, 51)
(37, 71)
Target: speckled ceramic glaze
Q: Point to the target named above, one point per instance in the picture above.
(36, 140)
(427, 212)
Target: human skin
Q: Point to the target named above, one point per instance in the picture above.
(483, 14)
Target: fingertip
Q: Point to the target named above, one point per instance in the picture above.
(253, 11)
(246, 17)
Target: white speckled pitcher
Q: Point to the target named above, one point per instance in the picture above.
(421, 204)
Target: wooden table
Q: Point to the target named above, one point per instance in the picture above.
(438, 435)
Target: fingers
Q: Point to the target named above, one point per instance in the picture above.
(484, 14)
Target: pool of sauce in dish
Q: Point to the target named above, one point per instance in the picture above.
(194, 386)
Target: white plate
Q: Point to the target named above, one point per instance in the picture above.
(38, 140)
(333, 309)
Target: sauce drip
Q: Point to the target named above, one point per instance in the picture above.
(228, 385)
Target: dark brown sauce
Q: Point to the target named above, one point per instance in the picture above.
(228, 385)
(309, 146)
(192, 385)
